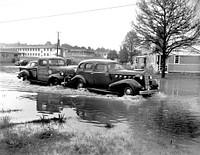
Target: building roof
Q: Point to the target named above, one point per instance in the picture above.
(10, 50)
(30, 46)
(188, 51)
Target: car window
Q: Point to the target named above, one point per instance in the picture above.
(81, 66)
(56, 62)
(43, 62)
(33, 64)
(101, 68)
(115, 66)
(88, 66)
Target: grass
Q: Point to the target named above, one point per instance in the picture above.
(9, 110)
(109, 125)
(5, 122)
(60, 119)
(26, 140)
(46, 139)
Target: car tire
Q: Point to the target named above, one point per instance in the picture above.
(128, 91)
(79, 84)
(54, 82)
(24, 77)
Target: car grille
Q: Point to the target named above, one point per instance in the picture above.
(146, 78)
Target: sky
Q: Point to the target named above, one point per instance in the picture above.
(102, 28)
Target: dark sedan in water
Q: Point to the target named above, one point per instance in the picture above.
(110, 76)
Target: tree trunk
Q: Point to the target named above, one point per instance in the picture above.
(163, 64)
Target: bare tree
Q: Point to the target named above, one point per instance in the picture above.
(131, 41)
(168, 24)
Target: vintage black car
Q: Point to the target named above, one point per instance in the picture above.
(110, 76)
(21, 63)
(46, 70)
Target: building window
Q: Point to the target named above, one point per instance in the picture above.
(3, 55)
(177, 59)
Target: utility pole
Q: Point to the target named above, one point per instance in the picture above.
(58, 43)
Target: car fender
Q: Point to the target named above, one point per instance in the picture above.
(131, 82)
(75, 78)
(22, 72)
(56, 75)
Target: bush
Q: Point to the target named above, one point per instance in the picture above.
(13, 60)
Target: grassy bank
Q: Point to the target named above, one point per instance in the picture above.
(73, 137)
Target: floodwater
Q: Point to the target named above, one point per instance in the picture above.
(171, 114)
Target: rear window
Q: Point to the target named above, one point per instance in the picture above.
(43, 63)
(56, 62)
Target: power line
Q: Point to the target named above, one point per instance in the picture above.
(68, 13)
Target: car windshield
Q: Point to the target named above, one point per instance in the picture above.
(56, 62)
(31, 64)
(115, 66)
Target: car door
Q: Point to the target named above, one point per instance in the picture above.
(88, 74)
(101, 76)
(43, 70)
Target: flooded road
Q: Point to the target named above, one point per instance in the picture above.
(170, 116)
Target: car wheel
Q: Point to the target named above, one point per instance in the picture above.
(54, 82)
(24, 77)
(128, 91)
(79, 84)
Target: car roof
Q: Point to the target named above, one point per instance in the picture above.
(33, 61)
(51, 57)
(104, 61)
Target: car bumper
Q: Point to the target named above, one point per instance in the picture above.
(148, 92)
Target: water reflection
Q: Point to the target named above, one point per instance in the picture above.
(180, 87)
(175, 116)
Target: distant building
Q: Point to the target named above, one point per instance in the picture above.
(184, 60)
(79, 54)
(31, 52)
(8, 55)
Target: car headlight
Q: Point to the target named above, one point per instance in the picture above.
(61, 73)
(50, 71)
(116, 76)
(141, 77)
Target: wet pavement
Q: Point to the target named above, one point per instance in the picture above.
(171, 115)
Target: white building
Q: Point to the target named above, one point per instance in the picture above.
(35, 51)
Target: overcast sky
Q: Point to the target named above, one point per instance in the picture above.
(104, 28)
